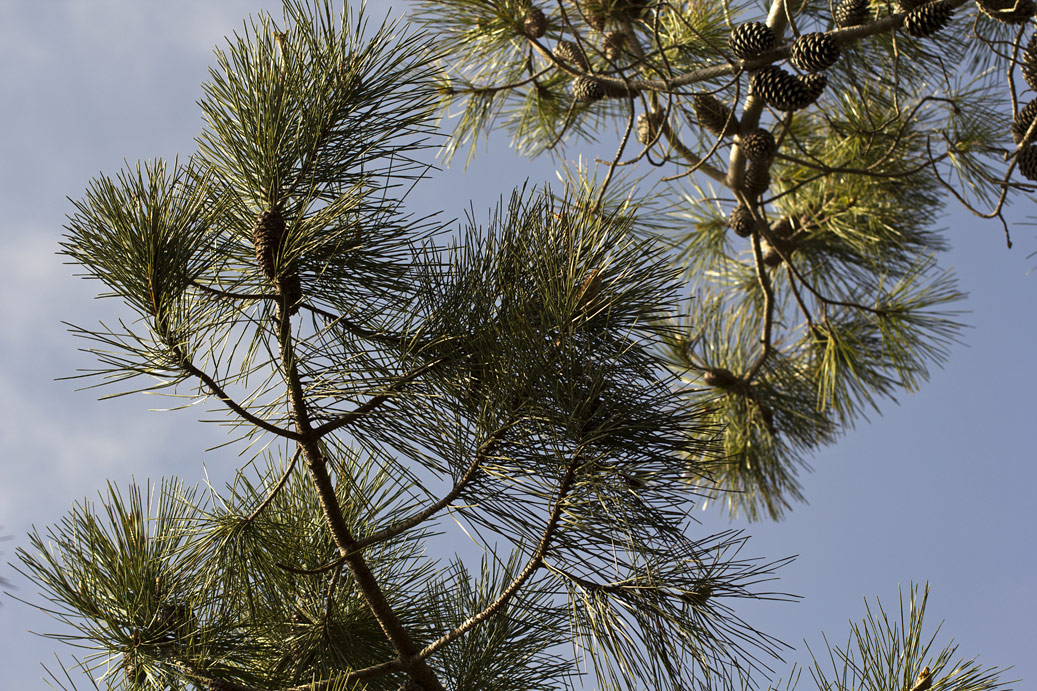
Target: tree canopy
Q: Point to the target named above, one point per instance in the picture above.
(531, 379)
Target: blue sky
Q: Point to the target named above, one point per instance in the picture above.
(939, 488)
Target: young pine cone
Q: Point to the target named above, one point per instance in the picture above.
(535, 23)
(714, 116)
(268, 237)
(571, 54)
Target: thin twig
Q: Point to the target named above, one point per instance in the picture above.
(534, 563)
(218, 391)
(277, 488)
(372, 403)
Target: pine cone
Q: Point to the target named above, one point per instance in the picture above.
(1022, 121)
(770, 255)
(814, 52)
(714, 115)
(267, 235)
(783, 229)
(571, 54)
(613, 44)
(587, 89)
(927, 20)
(134, 674)
(751, 39)
(1028, 64)
(1006, 10)
(741, 221)
(923, 681)
(757, 178)
(1028, 162)
(535, 23)
(815, 85)
(648, 127)
(852, 13)
(759, 145)
(779, 89)
(593, 13)
(782, 245)
(720, 378)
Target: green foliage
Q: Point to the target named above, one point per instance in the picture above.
(835, 302)
(532, 378)
(887, 651)
(509, 375)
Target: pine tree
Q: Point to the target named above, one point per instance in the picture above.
(397, 374)
(826, 297)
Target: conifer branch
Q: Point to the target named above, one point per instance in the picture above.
(222, 395)
(372, 403)
(768, 311)
(534, 563)
(421, 516)
(318, 469)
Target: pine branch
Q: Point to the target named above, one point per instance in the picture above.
(354, 559)
(222, 395)
(372, 404)
(534, 563)
(421, 516)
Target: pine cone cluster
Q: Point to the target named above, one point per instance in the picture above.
(1008, 11)
(571, 54)
(535, 23)
(750, 39)
(713, 115)
(814, 52)
(779, 89)
(741, 221)
(852, 13)
(927, 20)
(1022, 121)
